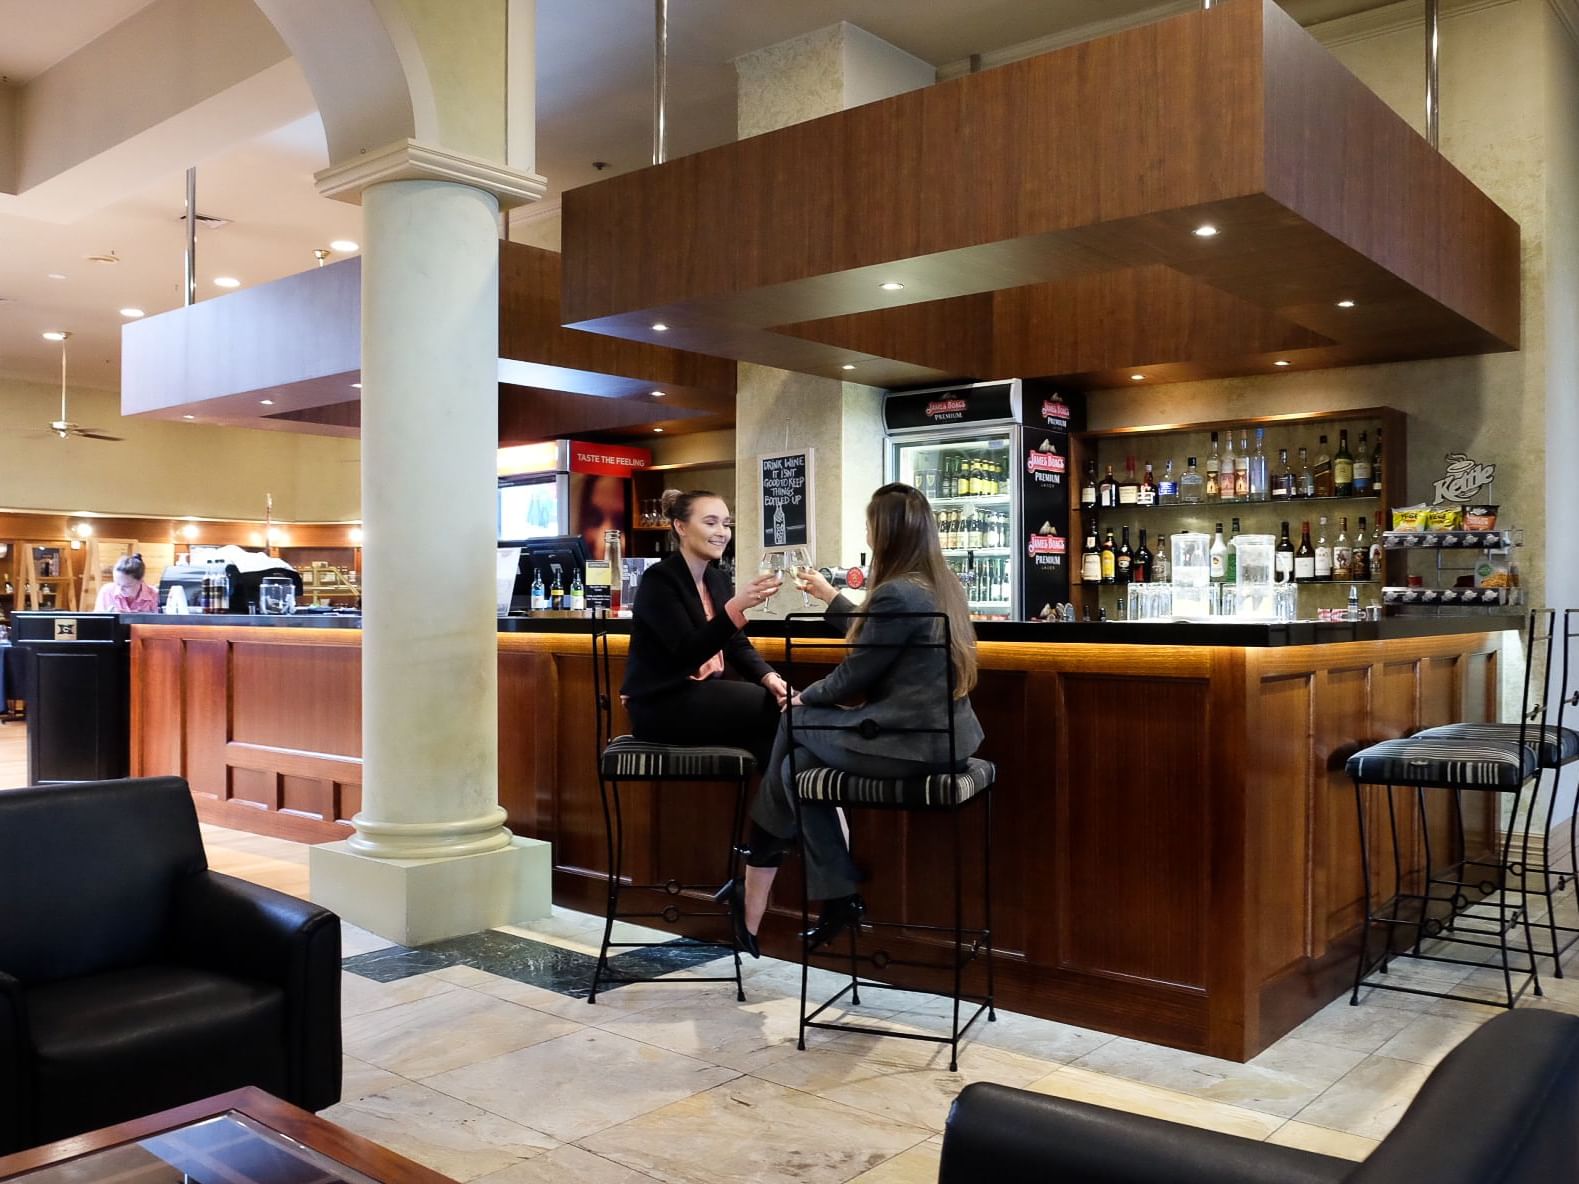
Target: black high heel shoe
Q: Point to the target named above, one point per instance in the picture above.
(837, 914)
(744, 938)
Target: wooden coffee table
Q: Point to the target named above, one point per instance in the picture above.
(242, 1137)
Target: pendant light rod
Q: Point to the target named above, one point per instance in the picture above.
(63, 338)
(660, 81)
(1433, 92)
(189, 288)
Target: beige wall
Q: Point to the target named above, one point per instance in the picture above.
(166, 469)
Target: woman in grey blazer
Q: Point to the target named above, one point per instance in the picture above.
(886, 678)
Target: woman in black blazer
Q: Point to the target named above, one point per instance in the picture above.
(686, 632)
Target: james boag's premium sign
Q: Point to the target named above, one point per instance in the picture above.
(1044, 506)
(786, 499)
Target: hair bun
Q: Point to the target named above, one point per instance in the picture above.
(670, 497)
(137, 554)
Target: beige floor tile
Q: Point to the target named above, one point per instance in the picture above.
(753, 1132)
(743, 1036)
(566, 1164)
(1362, 1028)
(1428, 1039)
(355, 940)
(581, 1083)
(358, 1079)
(1282, 1080)
(1133, 1097)
(902, 1080)
(359, 995)
(919, 1165)
(1370, 1100)
(447, 1135)
(447, 1031)
(1321, 1140)
(1029, 1035)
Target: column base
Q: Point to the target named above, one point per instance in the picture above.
(418, 901)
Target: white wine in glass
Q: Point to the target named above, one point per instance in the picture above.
(772, 563)
(797, 559)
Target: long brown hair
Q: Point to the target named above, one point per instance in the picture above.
(905, 547)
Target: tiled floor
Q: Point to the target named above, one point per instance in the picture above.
(491, 1075)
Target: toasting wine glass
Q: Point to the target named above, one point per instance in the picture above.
(798, 559)
(773, 563)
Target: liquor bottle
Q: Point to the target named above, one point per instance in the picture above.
(1284, 484)
(1107, 490)
(1225, 478)
(1123, 561)
(1242, 470)
(1342, 556)
(1088, 488)
(1283, 559)
(556, 593)
(1362, 466)
(1343, 467)
(1360, 556)
(1140, 569)
(539, 594)
(1304, 556)
(1378, 553)
(1191, 487)
(1109, 557)
(1161, 564)
(1307, 479)
(1260, 484)
(1129, 488)
(578, 594)
(1323, 554)
(1214, 483)
(1091, 557)
(1168, 487)
(1376, 473)
(1323, 470)
(1231, 560)
(1147, 495)
(1219, 557)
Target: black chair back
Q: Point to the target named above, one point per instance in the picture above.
(1539, 639)
(602, 691)
(89, 874)
(934, 637)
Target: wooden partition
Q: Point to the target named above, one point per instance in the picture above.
(1175, 843)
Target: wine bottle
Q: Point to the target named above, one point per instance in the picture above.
(1283, 559)
(1091, 557)
(1323, 554)
(1123, 561)
(1129, 488)
(1304, 556)
(1140, 568)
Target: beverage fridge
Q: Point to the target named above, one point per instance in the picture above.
(992, 459)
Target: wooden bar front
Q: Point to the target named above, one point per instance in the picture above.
(1174, 840)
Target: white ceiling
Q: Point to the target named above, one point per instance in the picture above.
(594, 103)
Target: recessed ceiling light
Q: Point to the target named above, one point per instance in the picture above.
(1137, 378)
(1345, 304)
(131, 313)
(111, 258)
(848, 366)
(55, 275)
(356, 386)
(189, 531)
(189, 417)
(55, 335)
(226, 281)
(1282, 362)
(657, 429)
(1206, 230)
(891, 286)
(659, 394)
(344, 246)
(659, 327)
(267, 402)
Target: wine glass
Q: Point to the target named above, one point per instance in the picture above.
(797, 558)
(773, 563)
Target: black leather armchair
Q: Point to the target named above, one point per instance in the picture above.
(133, 978)
(1502, 1106)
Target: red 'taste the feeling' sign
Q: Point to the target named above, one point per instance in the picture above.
(607, 460)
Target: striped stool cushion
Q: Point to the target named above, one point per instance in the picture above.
(1558, 746)
(933, 790)
(1444, 761)
(648, 760)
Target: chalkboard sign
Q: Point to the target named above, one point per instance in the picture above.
(786, 499)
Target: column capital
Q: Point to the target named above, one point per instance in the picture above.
(411, 160)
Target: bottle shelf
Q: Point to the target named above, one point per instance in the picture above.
(983, 552)
(1199, 506)
(980, 499)
(1446, 540)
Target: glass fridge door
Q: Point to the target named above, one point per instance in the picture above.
(968, 480)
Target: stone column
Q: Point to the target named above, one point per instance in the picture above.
(431, 857)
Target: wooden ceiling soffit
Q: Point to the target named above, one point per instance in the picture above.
(1016, 196)
(296, 342)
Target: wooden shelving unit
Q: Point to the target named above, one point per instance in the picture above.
(648, 485)
(1159, 443)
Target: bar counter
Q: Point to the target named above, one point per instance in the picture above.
(1175, 854)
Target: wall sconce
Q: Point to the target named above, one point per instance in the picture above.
(356, 536)
(84, 530)
(189, 531)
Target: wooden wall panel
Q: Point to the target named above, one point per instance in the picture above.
(301, 698)
(1284, 778)
(156, 710)
(206, 695)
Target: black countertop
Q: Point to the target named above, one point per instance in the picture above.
(1226, 633)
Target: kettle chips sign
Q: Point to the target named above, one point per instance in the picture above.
(1464, 478)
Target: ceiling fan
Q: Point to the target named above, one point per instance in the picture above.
(63, 427)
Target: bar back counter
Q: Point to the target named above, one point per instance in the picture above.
(1175, 850)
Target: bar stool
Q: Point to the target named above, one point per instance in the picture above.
(624, 759)
(1554, 746)
(1462, 762)
(944, 792)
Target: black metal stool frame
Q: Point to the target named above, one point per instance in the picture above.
(614, 836)
(981, 939)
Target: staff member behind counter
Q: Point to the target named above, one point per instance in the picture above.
(127, 593)
(686, 632)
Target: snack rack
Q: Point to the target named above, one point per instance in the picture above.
(1497, 589)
